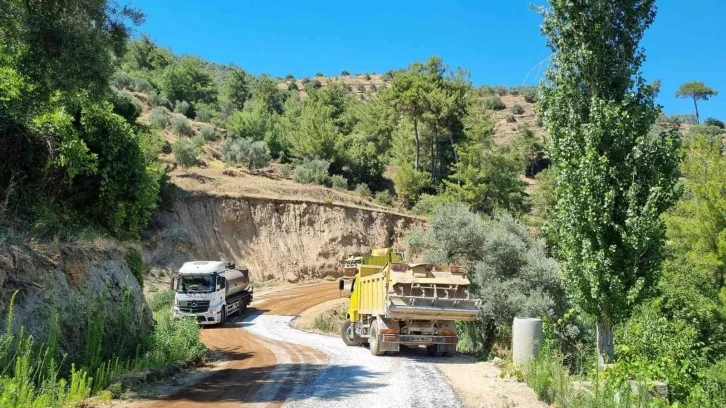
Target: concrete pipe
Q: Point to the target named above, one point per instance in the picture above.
(526, 339)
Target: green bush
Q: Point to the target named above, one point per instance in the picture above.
(159, 117)
(174, 341)
(360, 88)
(313, 171)
(410, 184)
(292, 86)
(142, 85)
(157, 100)
(384, 198)
(714, 122)
(204, 112)
(344, 73)
(136, 265)
(127, 105)
(289, 76)
(367, 77)
(162, 300)
(427, 203)
(181, 126)
(121, 80)
(253, 154)
(514, 90)
(315, 84)
(494, 103)
(531, 94)
(339, 182)
(510, 118)
(363, 190)
(319, 74)
(500, 90)
(186, 153)
(486, 90)
(374, 87)
(182, 108)
(517, 109)
(208, 133)
(286, 170)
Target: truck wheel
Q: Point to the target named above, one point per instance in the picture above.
(223, 318)
(348, 334)
(375, 345)
(432, 350)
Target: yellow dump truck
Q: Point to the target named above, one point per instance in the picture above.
(394, 303)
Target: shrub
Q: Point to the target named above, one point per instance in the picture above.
(511, 118)
(204, 112)
(208, 133)
(174, 341)
(367, 77)
(714, 122)
(186, 153)
(344, 73)
(384, 198)
(531, 94)
(363, 190)
(182, 107)
(410, 183)
(319, 74)
(494, 103)
(127, 105)
(374, 87)
(361, 88)
(292, 86)
(246, 151)
(339, 182)
(157, 100)
(286, 170)
(159, 117)
(517, 109)
(142, 85)
(181, 126)
(500, 90)
(514, 90)
(687, 118)
(305, 81)
(313, 171)
(161, 300)
(121, 80)
(289, 76)
(427, 203)
(486, 90)
(315, 84)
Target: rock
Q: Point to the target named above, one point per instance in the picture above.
(497, 362)
(230, 173)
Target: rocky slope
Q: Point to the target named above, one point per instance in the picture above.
(275, 238)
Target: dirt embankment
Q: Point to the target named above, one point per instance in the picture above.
(275, 238)
(76, 283)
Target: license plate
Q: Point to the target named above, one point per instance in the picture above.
(417, 339)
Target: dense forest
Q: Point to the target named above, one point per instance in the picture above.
(622, 237)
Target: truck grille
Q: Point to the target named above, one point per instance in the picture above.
(193, 306)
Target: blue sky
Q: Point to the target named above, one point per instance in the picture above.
(497, 41)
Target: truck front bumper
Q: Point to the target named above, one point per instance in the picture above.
(418, 339)
(208, 317)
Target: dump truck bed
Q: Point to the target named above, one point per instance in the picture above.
(416, 292)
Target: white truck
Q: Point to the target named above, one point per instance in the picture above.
(210, 291)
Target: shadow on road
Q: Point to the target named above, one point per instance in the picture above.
(277, 383)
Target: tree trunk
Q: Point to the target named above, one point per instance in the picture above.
(605, 343)
(695, 103)
(418, 144)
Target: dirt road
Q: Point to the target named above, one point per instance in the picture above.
(271, 364)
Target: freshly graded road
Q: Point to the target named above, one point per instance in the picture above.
(272, 364)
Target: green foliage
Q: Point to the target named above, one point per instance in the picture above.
(427, 203)
(697, 91)
(237, 89)
(312, 171)
(517, 109)
(253, 154)
(157, 100)
(136, 264)
(159, 117)
(384, 198)
(410, 184)
(344, 73)
(531, 94)
(514, 90)
(127, 105)
(181, 126)
(339, 182)
(266, 93)
(364, 160)
(319, 74)
(249, 124)
(174, 341)
(186, 153)
(187, 79)
(142, 85)
(367, 77)
(208, 133)
(360, 88)
(183, 108)
(613, 177)
(363, 190)
(510, 118)
(121, 80)
(714, 122)
(494, 103)
(500, 90)
(144, 55)
(204, 112)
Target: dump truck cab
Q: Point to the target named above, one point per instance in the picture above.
(393, 302)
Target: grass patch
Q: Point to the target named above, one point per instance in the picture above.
(330, 321)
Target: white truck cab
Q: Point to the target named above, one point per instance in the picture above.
(210, 291)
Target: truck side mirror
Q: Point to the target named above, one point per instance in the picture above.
(341, 285)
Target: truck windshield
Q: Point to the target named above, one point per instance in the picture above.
(196, 283)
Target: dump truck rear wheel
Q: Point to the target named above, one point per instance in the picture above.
(348, 334)
(432, 350)
(375, 345)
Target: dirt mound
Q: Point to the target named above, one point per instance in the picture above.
(276, 238)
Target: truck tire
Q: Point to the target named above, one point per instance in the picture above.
(223, 318)
(432, 350)
(348, 334)
(375, 345)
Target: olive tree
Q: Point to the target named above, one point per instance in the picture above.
(613, 177)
